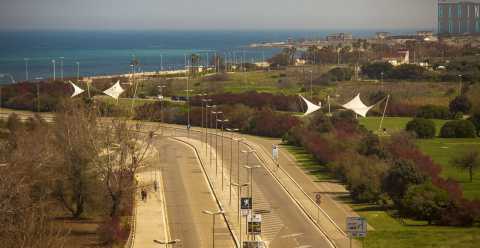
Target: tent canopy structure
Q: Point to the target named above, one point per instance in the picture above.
(357, 106)
(310, 106)
(115, 91)
(76, 90)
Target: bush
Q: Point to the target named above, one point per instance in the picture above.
(423, 128)
(269, 123)
(460, 104)
(458, 129)
(374, 70)
(433, 112)
(399, 178)
(475, 119)
(408, 72)
(425, 202)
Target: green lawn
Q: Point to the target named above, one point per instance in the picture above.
(389, 231)
(393, 124)
(443, 151)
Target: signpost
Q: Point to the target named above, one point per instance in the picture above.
(254, 224)
(356, 228)
(246, 205)
(254, 244)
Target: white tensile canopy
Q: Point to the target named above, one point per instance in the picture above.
(115, 91)
(357, 106)
(310, 106)
(77, 90)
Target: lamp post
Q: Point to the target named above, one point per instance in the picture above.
(213, 214)
(251, 168)
(311, 87)
(167, 242)
(461, 85)
(239, 194)
(216, 113)
(223, 124)
(210, 124)
(61, 67)
(206, 122)
(161, 87)
(26, 68)
(53, 63)
(231, 157)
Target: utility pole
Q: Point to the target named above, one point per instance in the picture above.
(213, 214)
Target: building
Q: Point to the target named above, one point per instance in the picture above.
(398, 58)
(382, 35)
(458, 17)
(340, 37)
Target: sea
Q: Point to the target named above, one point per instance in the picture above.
(34, 54)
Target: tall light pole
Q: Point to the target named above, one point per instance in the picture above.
(251, 168)
(231, 157)
(161, 87)
(216, 113)
(61, 67)
(311, 87)
(239, 194)
(213, 214)
(54, 76)
(210, 124)
(461, 85)
(223, 121)
(166, 242)
(26, 68)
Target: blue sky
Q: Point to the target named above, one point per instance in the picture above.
(216, 14)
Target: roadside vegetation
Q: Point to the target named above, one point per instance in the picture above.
(69, 183)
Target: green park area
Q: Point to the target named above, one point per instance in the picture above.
(441, 150)
(390, 231)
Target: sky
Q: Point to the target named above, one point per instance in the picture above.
(216, 14)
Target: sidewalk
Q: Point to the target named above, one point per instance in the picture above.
(151, 217)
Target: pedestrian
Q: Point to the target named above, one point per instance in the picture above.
(146, 195)
(143, 193)
(155, 185)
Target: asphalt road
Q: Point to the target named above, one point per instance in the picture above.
(187, 194)
(284, 225)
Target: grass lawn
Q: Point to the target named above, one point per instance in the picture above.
(393, 124)
(443, 151)
(389, 232)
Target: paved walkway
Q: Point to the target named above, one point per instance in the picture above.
(150, 221)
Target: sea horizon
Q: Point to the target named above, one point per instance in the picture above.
(107, 52)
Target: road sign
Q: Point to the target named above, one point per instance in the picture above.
(356, 227)
(245, 212)
(246, 203)
(254, 224)
(318, 198)
(275, 151)
(254, 244)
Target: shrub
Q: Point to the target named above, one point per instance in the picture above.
(458, 129)
(269, 123)
(433, 112)
(399, 178)
(425, 202)
(364, 178)
(374, 70)
(475, 119)
(408, 72)
(423, 128)
(460, 104)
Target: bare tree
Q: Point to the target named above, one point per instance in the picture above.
(125, 149)
(470, 160)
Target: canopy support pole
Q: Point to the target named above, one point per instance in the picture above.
(384, 111)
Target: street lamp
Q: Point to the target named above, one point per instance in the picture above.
(213, 214)
(223, 124)
(216, 113)
(311, 87)
(461, 84)
(251, 168)
(231, 155)
(210, 126)
(206, 101)
(53, 63)
(239, 193)
(161, 87)
(26, 68)
(61, 67)
(167, 242)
